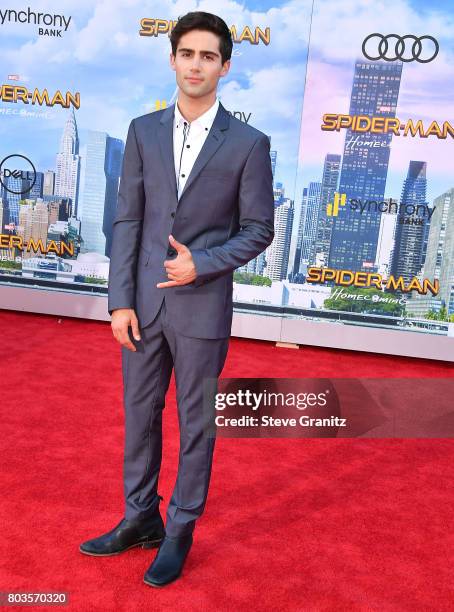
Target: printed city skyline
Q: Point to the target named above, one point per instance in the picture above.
(315, 171)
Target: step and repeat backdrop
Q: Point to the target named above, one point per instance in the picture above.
(356, 98)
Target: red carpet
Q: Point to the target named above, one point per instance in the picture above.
(290, 524)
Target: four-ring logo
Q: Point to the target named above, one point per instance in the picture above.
(402, 50)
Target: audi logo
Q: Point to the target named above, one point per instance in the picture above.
(423, 49)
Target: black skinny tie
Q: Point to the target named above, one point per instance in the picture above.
(185, 133)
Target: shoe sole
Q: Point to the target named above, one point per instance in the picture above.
(149, 544)
(157, 586)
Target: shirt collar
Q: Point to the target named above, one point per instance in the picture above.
(203, 122)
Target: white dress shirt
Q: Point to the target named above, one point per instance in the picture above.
(188, 139)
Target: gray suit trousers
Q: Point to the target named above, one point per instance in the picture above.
(146, 377)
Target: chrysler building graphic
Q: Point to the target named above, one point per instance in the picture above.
(68, 163)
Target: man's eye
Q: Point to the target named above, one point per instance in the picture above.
(209, 57)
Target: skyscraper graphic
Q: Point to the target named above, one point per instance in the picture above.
(33, 223)
(447, 256)
(49, 183)
(442, 219)
(273, 155)
(255, 266)
(100, 189)
(62, 207)
(310, 221)
(13, 190)
(112, 166)
(410, 238)
(68, 163)
(37, 190)
(386, 241)
(277, 253)
(365, 161)
(299, 237)
(439, 261)
(322, 242)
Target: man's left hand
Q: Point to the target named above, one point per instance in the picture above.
(181, 270)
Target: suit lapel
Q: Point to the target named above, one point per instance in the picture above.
(165, 137)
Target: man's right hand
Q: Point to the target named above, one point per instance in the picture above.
(122, 318)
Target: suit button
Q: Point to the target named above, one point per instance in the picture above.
(171, 252)
(172, 214)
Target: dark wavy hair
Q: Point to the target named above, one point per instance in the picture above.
(199, 20)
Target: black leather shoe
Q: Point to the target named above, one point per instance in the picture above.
(147, 533)
(169, 561)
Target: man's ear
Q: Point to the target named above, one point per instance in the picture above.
(225, 68)
(172, 61)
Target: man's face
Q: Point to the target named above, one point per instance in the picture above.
(198, 63)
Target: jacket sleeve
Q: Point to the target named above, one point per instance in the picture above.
(127, 227)
(256, 219)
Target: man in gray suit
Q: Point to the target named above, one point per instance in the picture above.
(195, 202)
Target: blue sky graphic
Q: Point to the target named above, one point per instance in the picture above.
(120, 74)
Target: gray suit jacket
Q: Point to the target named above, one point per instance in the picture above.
(225, 216)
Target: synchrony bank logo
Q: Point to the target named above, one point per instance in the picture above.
(49, 24)
(408, 214)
